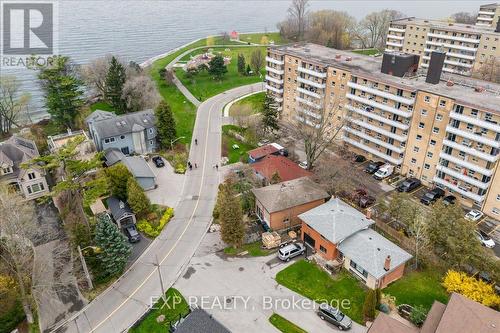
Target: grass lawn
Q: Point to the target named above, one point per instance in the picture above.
(203, 86)
(256, 38)
(419, 288)
(101, 106)
(254, 250)
(366, 51)
(284, 325)
(311, 281)
(176, 306)
(234, 155)
(254, 101)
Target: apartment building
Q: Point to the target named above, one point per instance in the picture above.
(467, 47)
(446, 133)
(488, 15)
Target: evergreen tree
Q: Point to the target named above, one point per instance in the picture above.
(114, 248)
(231, 216)
(241, 64)
(136, 198)
(165, 124)
(115, 80)
(118, 176)
(370, 304)
(217, 68)
(270, 115)
(62, 90)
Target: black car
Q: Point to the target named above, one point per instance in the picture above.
(132, 234)
(409, 185)
(358, 158)
(372, 167)
(432, 196)
(158, 161)
(334, 316)
(449, 200)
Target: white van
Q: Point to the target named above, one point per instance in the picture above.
(290, 251)
(385, 171)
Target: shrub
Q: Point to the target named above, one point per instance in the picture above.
(154, 230)
(418, 315)
(370, 305)
(471, 287)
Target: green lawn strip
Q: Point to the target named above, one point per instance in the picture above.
(257, 37)
(367, 51)
(175, 307)
(254, 250)
(284, 325)
(101, 106)
(311, 281)
(254, 101)
(203, 86)
(419, 288)
(234, 155)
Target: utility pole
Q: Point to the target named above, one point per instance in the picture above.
(161, 279)
(85, 269)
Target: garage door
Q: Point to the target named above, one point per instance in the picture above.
(309, 240)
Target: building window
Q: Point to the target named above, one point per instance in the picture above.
(416, 149)
(150, 131)
(151, 142)
(109, 140)
(322, 249)
(495, 211)
(470, 127)
(423, 112)
(430, 154)
(432, 142)
(122, 137)
(413, 161)
(31, 175)
(358, 268)
(427, 99)
(435, 130)
(442, 103)
(439, 117)
(421, 125)
(427, 166)
(419, 137)
(6, 170)
(473, 112)
(498, 197)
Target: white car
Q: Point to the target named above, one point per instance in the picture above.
(485, 239)
(303, 165)
(474, 215)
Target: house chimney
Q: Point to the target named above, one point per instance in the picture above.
(435, 67)
(387, 264)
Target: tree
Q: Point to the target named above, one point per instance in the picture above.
(241, 64)
(165, 124)
(489, 70)
(12, 103)
(210, 41)
(264, 40)
(118, 176)
(270, 114)
(418, 315)
(62, 91)
(375, 26)
(136, 198)
(331, 28)
(230, 216)
(115, 79)
(140, 93)
(370, 304)
(217, 68)
(470, 287)
(257, 60)
(464, 17)
(94, 74)
(297, 14)
(113, 246)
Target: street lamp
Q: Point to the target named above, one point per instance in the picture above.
(173, 141)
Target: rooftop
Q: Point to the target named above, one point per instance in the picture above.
(199, 321)
(336, 220)
(263, 151)
(286, 169)
(365, 66)
(108, 124)
(386, 324)
(468, 28)
(118, 208)
(369, 249)
(15, 151)
(289, 194)
(138, 167)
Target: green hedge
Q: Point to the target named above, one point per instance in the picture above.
(12, 318)
(154, 230)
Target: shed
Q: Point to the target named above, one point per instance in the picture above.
(121, 212)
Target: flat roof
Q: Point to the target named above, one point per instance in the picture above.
(369, 67)
(438, 24)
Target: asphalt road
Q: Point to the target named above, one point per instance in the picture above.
(130, 297)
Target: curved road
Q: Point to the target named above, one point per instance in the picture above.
(130, 297)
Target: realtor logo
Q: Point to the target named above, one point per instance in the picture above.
(28, 29)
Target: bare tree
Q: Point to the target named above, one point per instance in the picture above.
(257, 61)
(12, 103)
(490, 70)
(376, 25)
(464, 17)
(297, 18)
(330, 28)
(94, 74)
(139, 93)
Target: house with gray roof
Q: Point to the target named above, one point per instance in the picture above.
(121, 212)
(131, 133)
(30, 181)
(199, 321)
(137, 166)
(338, 231)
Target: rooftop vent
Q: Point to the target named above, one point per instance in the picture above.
(118, 123)
(450, 83)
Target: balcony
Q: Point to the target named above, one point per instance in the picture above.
(373, 151)
(366, 125)
(378, 105)
(451, 46)
(482, 18)
(275, 61)
(401, 99)
(275, 71)
(312, 114)
(312, 72)
(376, 117)
(396, 29)
(394, 44)
(465, 178)
(272, 79)
(308, 103)
(395, 37)
(457, 38)
(276, 90)
(311, 83)
(455, 188)
(465, 164)
(309, 93)
(470, 151)
(472, 136)
(307, 122)
(474, 121)
(482, 24)
(486, 13)
(457, 63)
(379, 142)
(451, 54)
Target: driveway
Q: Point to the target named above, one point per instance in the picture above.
(170, 184)
(242, 293)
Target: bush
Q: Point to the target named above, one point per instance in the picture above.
(472, 288)
(12, 317)
(154, 230)
(418, 315)
(370, 305)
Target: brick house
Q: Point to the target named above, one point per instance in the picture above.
(337, 231)
(285, 168)
(277, 206)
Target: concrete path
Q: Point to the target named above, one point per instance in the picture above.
(170, 184)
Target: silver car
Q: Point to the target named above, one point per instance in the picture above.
(334, 316)
(290, 251)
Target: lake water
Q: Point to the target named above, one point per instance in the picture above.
(139, 30)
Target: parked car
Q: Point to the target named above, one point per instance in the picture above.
(449, 200)
(384, 171)
(432, 196)
(474, 215)
(485, 239)
(334, 316)
(366, 201)
(263, 142)
(132, 234)
(303, 165)
(358, 158)
(291, 251)
(158, 161)
(409, 185)
(373, 167)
